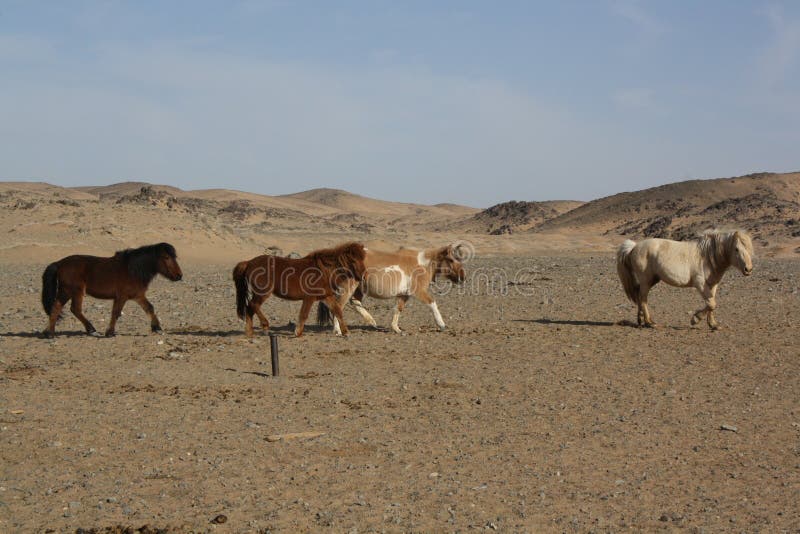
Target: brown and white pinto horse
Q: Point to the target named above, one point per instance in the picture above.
(124, 276)
(317, 276)
(401, 275)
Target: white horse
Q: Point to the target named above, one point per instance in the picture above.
(699, 264)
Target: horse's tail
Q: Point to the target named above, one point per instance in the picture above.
(50, 287)
(625, 270)
(242, 288)
(324, 316)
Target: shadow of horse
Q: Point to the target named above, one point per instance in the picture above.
(38, 334)
(569, 322)
(282, 331)
(572, 322)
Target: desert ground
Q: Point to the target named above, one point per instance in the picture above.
(538, 409)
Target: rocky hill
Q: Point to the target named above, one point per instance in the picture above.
(516, 216)
(766, 204)
(42, 221)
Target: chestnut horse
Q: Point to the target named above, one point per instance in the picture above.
(318, 276)
(124, 276)
(400, 275)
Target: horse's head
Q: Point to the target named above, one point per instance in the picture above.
(449, 263)
(167, 262)
(742, 252)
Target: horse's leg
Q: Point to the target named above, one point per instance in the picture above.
(355, 301)
(148, 308)
(363, 312)
(263, 319)
(344, 296)
(253, 307)
(55, 312)
(401, 303)
(697, 316)
(77, 310)
(116, 311)
(301, 319)
(712, 305)
(425, 297)
(339, 326)
(644, 312)
(709, 295)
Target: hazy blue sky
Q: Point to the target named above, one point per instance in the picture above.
(473, 102)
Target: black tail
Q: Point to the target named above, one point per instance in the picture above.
(242, 288)
(49, 287)
(324, 316)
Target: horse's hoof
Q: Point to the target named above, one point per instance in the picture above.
(111, 334)
(157, 330)
(95, 333)
(48, 335)
(442, 328)
(694, 320)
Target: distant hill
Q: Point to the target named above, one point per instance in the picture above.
(352, 203)
(42, 221)
(516, 216)
(766, 204)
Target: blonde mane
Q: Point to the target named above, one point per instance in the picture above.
(716, 247)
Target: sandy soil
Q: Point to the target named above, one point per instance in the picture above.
(534, 411)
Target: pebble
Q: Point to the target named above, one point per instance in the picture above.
(220, 519)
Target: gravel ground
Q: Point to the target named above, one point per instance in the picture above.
(536, 410)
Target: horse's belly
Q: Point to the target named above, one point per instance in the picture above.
(100, 293)
(387, 282)
(679, 276)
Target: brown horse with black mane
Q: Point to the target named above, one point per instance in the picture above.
(318, 276)
(124, 276)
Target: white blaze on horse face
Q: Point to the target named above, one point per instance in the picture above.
(437, 316)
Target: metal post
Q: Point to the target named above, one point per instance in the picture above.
(273, 349)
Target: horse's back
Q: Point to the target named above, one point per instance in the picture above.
(405, 258)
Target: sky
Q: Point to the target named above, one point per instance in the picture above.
(464, 101)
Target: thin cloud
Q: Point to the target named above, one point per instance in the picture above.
(780, 59)
(637, 99)
(636, 14)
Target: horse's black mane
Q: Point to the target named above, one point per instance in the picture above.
(142, 262)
